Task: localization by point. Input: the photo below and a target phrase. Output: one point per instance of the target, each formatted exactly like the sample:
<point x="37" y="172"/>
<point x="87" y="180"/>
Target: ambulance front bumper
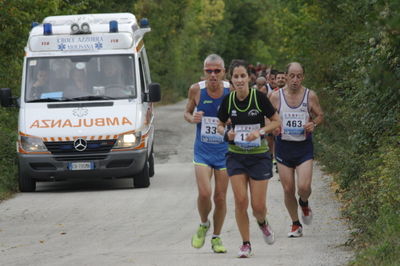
<point x="116" y="164"/>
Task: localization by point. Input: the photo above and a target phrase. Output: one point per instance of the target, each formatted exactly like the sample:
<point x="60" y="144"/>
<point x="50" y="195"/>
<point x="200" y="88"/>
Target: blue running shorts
<point x="214" y="160"/>
<point x="293" y="153"/>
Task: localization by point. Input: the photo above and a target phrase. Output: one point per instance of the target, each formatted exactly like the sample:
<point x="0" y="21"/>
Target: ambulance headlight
<point x="85" y="28"/>
<point x="74" y="28"/>
<point x="32" y="144"/>
<point x="129" y="140"/>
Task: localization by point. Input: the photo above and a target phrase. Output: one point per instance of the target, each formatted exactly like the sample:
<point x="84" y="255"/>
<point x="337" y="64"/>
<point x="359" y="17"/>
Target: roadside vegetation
<point x="350" y="50"/>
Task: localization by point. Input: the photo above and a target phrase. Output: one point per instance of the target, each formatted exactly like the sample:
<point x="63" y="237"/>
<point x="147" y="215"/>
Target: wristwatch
<point x="262" y="132"/>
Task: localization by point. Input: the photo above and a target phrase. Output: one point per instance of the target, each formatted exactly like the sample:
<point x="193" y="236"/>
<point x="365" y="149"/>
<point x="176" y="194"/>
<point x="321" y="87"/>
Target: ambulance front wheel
<point x="142" y="179"/>
<point x="26" y="183"/>
<point x="151" y="163"/>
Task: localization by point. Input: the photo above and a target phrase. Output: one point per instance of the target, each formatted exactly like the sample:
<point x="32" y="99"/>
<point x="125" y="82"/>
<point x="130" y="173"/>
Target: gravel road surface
<point x="107" y="222"/>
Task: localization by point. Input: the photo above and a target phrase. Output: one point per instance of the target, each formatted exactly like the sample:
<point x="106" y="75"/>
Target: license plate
<point x="81" y="166"/>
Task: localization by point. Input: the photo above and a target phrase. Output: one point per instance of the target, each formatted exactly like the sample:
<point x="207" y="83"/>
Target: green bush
<point x="356" y="65"/>
<point x="8" y="166"/>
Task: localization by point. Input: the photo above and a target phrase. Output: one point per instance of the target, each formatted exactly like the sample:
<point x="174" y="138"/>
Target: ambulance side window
<point x="145" y="66"/>
<point x="143" y="82"/>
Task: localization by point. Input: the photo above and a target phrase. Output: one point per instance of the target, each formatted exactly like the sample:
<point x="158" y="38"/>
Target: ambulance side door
<point x="145" y="80"/>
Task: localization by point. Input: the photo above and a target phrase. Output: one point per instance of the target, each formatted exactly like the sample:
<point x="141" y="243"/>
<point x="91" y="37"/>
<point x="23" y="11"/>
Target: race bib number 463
<point x="209" y="132"/>
<point x="293" y="123"/>
<point x="241" y="133"/>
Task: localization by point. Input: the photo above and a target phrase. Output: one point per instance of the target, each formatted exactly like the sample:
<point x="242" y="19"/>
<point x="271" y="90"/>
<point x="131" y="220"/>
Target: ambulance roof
<point x="98" y="23"/>
<point x="104" y="33"/>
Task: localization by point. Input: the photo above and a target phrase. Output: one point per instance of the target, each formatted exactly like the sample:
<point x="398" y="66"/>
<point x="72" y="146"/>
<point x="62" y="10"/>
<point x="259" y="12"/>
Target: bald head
<point x="295" y="76"/>
<point x="296" y="66"/>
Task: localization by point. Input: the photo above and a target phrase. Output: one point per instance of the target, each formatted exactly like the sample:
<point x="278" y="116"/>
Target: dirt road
<point x="109" y="223"/>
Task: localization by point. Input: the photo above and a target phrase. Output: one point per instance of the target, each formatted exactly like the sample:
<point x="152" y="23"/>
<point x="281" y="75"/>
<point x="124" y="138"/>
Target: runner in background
<point x="261" y="83"/>
<point x="271" y="78"/>
<point x="280" y="79"/>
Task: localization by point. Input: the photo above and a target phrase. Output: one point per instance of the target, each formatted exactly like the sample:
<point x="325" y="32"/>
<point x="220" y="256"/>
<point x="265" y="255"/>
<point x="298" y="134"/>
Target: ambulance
<point x="86" y="103"/>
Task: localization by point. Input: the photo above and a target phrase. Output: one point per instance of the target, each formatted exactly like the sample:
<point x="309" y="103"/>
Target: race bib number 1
<point x="209" y="132"/>
<point x="241" y="133"/>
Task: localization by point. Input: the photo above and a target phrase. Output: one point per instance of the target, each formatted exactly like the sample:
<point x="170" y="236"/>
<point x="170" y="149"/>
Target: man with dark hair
<point x="280" y="79"/>
<point x="271" y="78"/>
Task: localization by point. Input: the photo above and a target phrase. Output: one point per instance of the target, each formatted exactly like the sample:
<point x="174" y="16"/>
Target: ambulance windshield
<point x="80" y="78"/>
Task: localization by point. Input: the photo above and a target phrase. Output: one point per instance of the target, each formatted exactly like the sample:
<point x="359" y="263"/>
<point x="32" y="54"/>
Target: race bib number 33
<point x="209" y="132"/>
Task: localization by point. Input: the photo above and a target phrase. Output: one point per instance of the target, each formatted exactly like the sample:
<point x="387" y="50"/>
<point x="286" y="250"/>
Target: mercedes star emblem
<point x="80" y="144"/>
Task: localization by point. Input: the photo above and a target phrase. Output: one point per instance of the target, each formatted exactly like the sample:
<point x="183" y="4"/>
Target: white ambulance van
<point x="85" y="109"/>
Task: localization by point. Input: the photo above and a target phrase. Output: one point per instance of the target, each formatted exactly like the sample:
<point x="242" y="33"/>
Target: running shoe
<point x="199" y="238"/>
<point x="245" y="251"/>
<point x="296" y="231"/>
<point x="217" y="246"/>
<point x="306" y="215"/>
<point x="275" y="164"/>
<point x="268" y="234"/>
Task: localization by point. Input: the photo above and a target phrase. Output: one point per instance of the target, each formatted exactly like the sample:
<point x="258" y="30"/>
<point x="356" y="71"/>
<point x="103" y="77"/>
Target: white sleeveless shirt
<point x="202" y="84"/>
<point x="294" y="118"/>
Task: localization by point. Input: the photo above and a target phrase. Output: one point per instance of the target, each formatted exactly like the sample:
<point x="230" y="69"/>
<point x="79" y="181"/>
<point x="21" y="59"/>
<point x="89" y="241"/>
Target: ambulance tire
<point x="151" y="163"/>
<point x="142" y="179"/>
<point x="26" y="183"/>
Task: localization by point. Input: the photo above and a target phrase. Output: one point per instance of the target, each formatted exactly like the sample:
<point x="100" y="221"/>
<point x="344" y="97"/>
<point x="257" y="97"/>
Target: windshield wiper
<point x="46" y="100"/>
<point x="90" y="97"/>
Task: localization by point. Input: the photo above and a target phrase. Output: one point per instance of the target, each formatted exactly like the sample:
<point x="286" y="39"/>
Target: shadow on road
<point x="78" y="185"/>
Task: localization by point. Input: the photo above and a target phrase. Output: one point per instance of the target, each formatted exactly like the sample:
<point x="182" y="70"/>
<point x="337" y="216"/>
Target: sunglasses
<point x="216" y="71"/>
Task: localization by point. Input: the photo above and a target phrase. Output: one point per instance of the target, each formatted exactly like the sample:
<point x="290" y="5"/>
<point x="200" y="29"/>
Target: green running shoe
<point x="199" y="238"/>
<point x="217" y="246"/>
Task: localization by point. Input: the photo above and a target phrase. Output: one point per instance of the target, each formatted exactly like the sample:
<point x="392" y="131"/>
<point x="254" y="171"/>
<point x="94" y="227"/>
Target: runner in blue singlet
<point x="210" y="148"/>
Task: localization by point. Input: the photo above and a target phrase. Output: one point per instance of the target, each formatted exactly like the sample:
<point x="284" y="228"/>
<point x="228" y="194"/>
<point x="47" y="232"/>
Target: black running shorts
<point x="257" y="166"/>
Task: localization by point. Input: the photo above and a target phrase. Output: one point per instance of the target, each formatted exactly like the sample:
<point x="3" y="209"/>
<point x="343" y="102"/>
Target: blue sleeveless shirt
<point x="208" y="141"/>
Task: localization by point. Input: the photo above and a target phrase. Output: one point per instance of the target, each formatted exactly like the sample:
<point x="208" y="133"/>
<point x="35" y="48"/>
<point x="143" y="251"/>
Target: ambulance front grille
<point x="80" y="158"/>
<point x="67" y="147"/>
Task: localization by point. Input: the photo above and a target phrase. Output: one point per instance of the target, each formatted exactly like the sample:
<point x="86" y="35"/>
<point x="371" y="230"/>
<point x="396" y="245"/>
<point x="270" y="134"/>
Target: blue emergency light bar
<point x="113" y="26"/>
<point x="34" y="24"/>
<point x="144" y="23"/>
<point x="47" y="29"/>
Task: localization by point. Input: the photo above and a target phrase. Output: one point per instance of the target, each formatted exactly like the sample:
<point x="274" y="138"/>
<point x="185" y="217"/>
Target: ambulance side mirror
<point x="154" y="94"/>
<point x="6" y="99"/>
